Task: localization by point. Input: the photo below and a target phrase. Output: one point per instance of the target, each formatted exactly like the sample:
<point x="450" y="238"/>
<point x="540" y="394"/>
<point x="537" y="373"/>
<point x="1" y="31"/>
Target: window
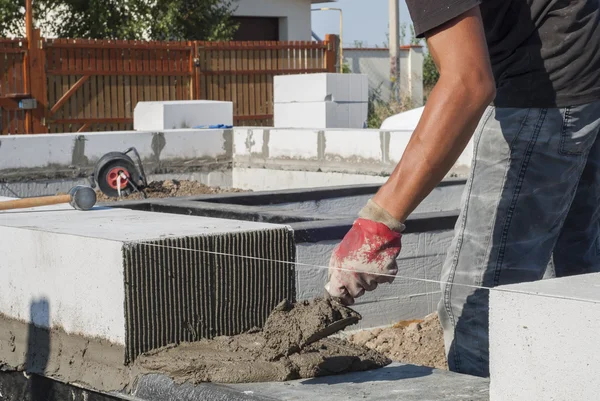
<point x="256" y="28"/>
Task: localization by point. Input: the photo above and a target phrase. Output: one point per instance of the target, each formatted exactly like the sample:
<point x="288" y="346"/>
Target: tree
<point x="123" y="19"/>
<point x="12" y="16"/>
<point x="192" y="20"/>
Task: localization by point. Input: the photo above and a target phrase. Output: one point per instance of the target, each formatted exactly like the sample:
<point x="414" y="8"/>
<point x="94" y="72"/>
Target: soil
<point x="417" y="342"/>
<point x="171" y="189"/>
<point x="281" y="351"/>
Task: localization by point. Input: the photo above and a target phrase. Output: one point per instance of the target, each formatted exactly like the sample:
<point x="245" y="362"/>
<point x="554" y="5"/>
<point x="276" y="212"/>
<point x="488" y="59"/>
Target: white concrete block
<point x="320" y="115"/>
<point x="247" y="141"/>
<point x="359" y="114"/>
<point x="422" y="257"/>
<point x="363" y="145"/>
<point x="294" y="144"/>
<point x="261" y="179"/>
<point x="74" y="260"/>
<point x="398" y="143"/>
<point x="321" y="87"/>
<point x="149" y="116"/>
<point x="544" y="341"/>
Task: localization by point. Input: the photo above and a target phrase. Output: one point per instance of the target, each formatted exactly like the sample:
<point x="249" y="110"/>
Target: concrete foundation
<point x="141" y="280"/>
<point x="544" y="342"/>
<point x="394" y="382"/>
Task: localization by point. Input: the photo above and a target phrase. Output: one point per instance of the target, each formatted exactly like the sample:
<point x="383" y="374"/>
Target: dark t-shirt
<point x="544" y="53"/>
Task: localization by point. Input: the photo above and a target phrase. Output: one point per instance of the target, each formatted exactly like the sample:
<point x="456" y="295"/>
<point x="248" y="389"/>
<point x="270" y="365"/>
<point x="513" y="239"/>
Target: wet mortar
<point x="281" y="351"/>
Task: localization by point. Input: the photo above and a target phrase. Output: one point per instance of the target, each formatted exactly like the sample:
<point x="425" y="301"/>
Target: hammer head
<point x="82" y="197"/>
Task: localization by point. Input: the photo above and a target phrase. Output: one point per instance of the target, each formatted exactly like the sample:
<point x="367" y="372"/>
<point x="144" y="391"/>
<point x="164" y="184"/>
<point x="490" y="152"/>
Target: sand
<point x="417" y="342"/>
<point x="280" y="352"/>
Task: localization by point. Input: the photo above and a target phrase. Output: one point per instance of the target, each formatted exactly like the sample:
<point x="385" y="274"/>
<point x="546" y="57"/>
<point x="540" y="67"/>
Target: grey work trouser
<point x="533" y="195"/>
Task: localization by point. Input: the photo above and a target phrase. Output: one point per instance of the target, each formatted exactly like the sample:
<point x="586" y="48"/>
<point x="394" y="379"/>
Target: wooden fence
<point x="93" y="85"/>
<point x="12" y="83"/>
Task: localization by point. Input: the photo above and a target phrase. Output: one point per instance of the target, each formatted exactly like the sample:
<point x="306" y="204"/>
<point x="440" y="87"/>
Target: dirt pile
<point x="171" y="189"/>
<point x="417" y="342"/>
<point x="277" y="353"/>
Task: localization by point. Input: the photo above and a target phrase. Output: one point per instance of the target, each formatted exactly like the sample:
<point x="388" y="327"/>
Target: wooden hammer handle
<point x="34" y="202"/>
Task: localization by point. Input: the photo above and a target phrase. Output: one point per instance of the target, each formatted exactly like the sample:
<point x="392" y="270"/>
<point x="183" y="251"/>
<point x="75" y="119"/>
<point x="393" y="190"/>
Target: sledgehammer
<point x="80" y="197"/>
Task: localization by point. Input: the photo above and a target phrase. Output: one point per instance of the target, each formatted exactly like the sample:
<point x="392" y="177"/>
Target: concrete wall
<point x="69" y="156"/>
<point x="277" y="158"/>
<point x="74" y="259"/>
<point x="422" y="257"/>
<point x="294" y="15"/>
<point x="263" y="158"/>
<point x="245" y="157"/>
<point x="376" y="64"/>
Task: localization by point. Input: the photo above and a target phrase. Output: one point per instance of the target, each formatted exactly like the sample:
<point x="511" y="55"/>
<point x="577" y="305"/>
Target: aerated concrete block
<point x="320" y="115"/>
<point x="544" y="340"/>
<point x="323" y="87"/>
<point x="142" y="280"/>
<point x="151" y="116"/>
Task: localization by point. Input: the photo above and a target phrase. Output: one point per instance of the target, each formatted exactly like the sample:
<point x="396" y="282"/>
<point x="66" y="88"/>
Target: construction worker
<point x="524" y="78"/>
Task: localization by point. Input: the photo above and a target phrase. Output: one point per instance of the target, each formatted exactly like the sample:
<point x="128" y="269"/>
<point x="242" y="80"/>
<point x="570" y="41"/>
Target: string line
<point x="424" y="280"/>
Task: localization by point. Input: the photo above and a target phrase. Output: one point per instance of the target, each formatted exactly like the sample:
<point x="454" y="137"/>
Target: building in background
<point x="375" y="62"/>
<point x="274" y="19"/>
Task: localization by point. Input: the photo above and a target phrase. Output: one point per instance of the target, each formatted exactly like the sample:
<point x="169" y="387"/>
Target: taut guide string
<point x="424" y="280"/>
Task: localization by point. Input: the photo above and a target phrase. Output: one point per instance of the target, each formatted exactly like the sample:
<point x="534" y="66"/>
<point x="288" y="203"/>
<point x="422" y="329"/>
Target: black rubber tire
<point x="102" y="177"/>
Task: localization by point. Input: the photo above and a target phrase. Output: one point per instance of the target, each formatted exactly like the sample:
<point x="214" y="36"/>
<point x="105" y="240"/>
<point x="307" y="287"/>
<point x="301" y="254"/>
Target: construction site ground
<point x="171" y="189"/>
<point x="417" y="342"/>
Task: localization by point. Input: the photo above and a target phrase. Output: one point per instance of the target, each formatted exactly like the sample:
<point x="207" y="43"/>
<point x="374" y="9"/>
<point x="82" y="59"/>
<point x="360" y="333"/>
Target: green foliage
<point x="430" y="72"/>
<point x="379" y="109"/>
<point x="402" y="33"/>
<point x="192" y="20"/>
<point x="346" y="68"/>
<point x="12" y="16"/>
<point x="413" y="37"/>
<point x="123" y="19"/>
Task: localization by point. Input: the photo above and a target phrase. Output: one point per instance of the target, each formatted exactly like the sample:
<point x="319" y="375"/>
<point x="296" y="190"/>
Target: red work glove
<point x="370" y="248"/>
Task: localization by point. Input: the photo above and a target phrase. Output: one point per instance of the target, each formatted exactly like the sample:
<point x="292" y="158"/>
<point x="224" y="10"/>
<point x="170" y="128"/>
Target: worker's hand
<point x="366" y="256"/>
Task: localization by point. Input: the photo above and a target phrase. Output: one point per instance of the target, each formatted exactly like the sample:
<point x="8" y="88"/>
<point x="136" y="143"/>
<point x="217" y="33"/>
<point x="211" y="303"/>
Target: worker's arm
<point x="465" y="88"/>
<point x="457" y="102"/>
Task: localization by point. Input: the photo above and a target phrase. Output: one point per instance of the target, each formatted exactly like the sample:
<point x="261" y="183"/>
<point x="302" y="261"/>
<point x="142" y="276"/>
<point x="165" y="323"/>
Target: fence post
<point x="331" y="54"/>
<point x="37" y="81"/>
<point x="193" y="69"/>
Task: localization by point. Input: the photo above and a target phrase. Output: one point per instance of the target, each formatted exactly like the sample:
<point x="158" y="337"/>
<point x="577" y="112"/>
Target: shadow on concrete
<point x="388" y="373"/>
<point x="38" y="350"/>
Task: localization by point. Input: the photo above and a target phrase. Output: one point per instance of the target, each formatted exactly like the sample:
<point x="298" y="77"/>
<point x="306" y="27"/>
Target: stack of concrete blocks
<point x="544" y="340"/>
<point x="321" y="101"/>
<point x="153" y="116"/>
